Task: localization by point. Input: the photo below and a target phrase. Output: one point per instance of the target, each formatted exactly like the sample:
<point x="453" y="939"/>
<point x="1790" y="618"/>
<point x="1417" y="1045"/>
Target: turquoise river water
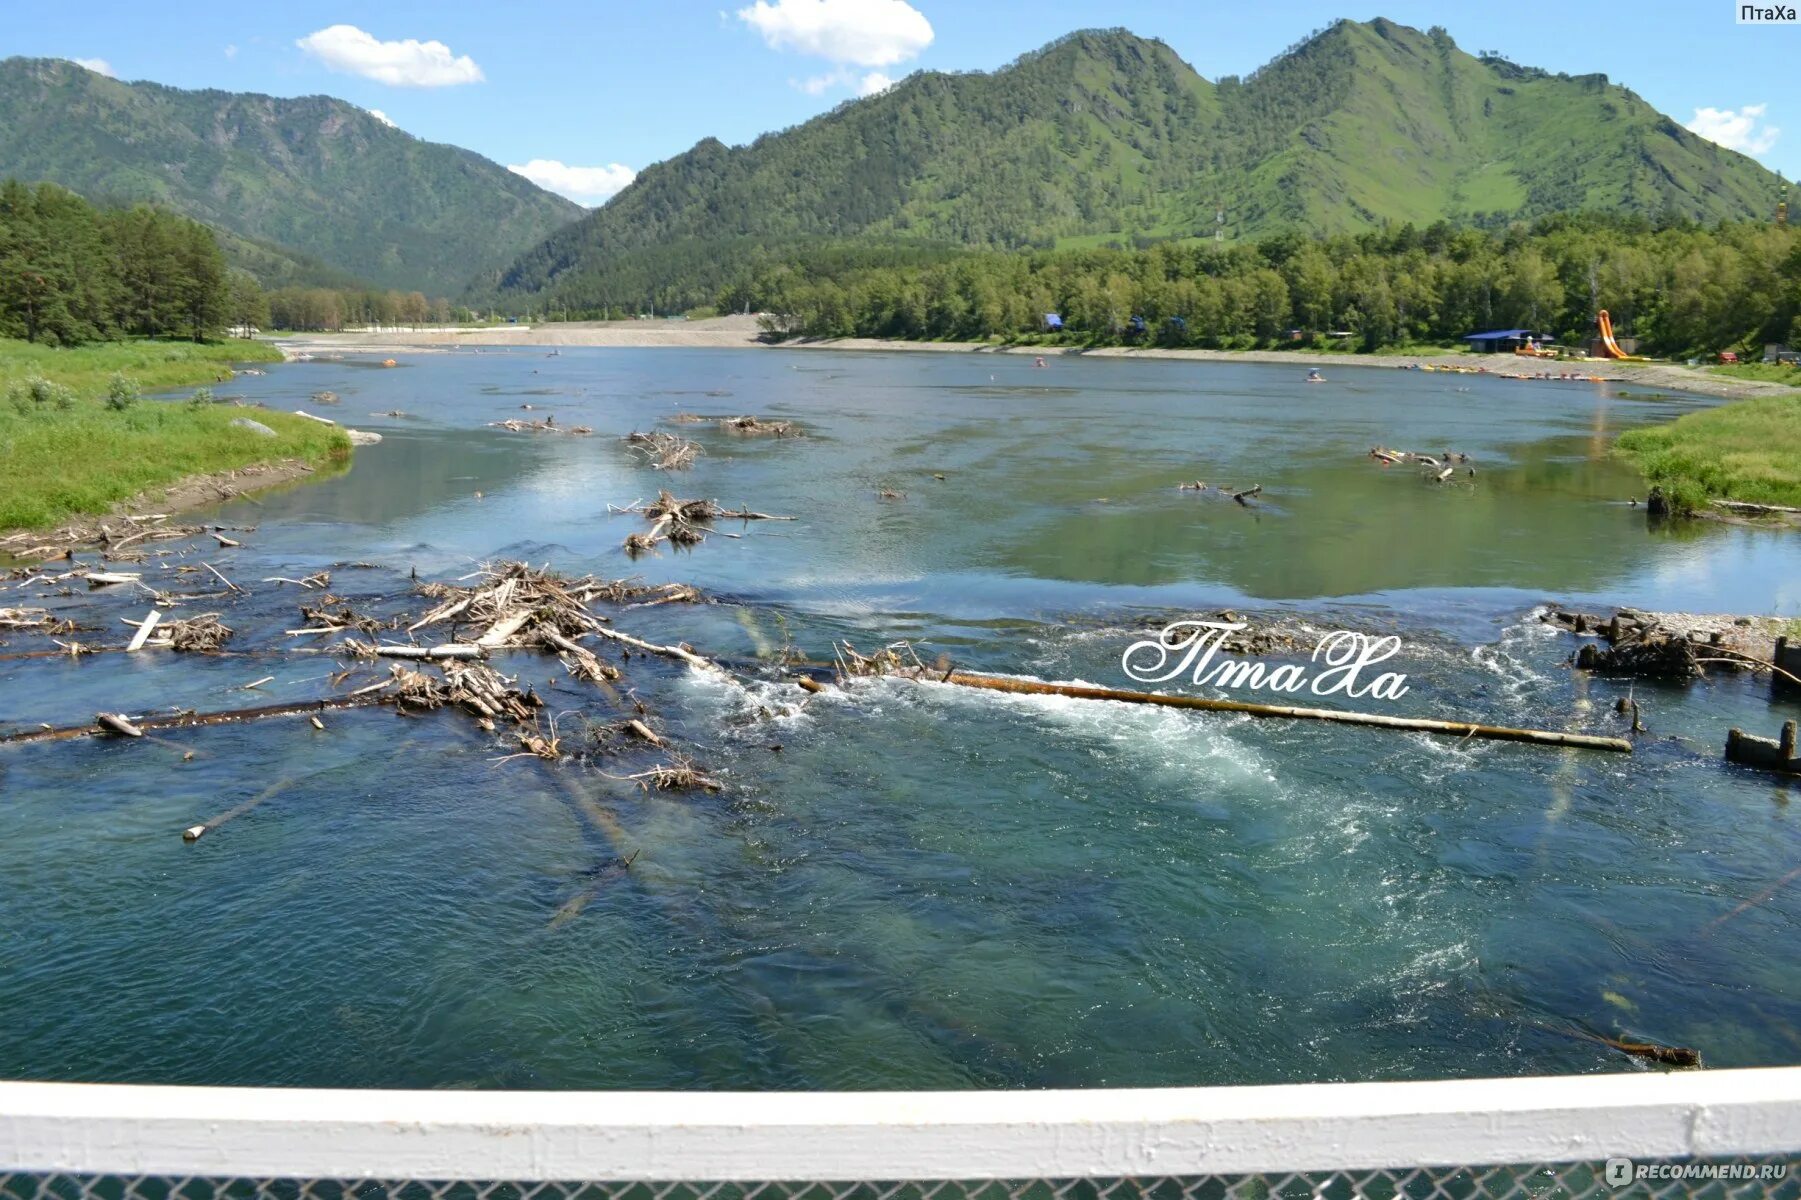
<point x="924" y="886"/>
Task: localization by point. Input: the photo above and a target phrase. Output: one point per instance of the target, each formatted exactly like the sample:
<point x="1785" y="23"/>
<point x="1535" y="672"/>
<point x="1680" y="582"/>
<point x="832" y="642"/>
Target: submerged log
<point x="1466" y="729"/>
<point x="1750" y="751"/>
<point x="186" y="720"/>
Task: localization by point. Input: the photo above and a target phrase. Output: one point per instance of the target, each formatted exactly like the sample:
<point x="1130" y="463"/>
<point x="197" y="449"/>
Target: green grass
<point x="58" y="463"/>
<point x="1768" y="372"/>
<point x="1748" y="450"/>
<point x="152" y="364"/>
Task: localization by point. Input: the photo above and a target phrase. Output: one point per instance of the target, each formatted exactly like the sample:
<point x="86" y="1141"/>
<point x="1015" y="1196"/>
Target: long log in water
<point x="185" y="720"/>
<point x="682" y="652"/>
<point x="1036" y="687"/>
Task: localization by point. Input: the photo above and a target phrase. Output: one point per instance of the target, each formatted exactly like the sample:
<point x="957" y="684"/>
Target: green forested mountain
<point x="1103" y="136"/>
<point x="305" y="186"/>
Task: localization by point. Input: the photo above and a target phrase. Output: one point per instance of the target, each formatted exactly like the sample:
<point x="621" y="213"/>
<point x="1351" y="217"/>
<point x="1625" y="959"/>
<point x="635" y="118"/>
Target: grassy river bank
<point x="1748" y="450"/>
<point x="75" y="439"/>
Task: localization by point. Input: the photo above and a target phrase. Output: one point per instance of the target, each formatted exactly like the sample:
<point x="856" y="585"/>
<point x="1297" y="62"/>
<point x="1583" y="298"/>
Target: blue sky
<point x="586" y="91"/>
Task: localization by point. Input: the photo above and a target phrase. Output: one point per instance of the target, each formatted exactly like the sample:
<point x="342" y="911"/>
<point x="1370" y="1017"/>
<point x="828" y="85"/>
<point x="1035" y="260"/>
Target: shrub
<point x="121" y="392"/>
<point x="202" y="398"/>
<point x="40" y="395"/>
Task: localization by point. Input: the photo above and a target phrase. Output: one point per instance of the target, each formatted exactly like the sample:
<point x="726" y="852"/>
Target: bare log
<point x="450" y="650"/>
<point x="506" y="627"/>
<point x="1036" y="687"/>
<point x="143" y="634"/>
<point x="1745" y="506"/>
<point x="682" y="652"/>
<point x="114" y="723"/>
<point x="186" y="720"/>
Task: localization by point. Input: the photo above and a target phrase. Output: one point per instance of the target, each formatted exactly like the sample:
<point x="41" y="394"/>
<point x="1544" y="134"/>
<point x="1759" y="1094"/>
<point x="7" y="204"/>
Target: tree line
<point x="319" y="309"/>
<point x="1679" y="287"/>
<point x="73" y="273"/>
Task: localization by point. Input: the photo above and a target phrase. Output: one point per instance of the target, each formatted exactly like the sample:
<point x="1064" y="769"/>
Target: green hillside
<point x="1104" y="136"/>
<point x="307" y="187"/>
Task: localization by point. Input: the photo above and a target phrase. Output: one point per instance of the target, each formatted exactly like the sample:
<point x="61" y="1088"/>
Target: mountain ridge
<point x="1103" y="135"/>
<point x="312" y="174"/>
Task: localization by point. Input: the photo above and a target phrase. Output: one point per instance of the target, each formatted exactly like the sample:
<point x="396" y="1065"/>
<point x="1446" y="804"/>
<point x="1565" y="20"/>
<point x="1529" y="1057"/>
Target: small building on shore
<point x="1504" y="341"/>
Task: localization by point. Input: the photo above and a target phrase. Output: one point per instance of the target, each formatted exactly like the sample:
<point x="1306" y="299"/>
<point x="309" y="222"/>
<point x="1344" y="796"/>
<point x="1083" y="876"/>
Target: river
<point x="909" y="885"/>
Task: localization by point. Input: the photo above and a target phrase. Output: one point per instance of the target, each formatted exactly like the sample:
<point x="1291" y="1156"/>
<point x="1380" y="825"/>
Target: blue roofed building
<point x="1504" y="341"/>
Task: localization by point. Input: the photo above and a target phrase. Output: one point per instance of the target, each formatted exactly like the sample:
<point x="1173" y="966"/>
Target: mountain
<point x="1105" y="136"/>
<point x="305" y="179"/>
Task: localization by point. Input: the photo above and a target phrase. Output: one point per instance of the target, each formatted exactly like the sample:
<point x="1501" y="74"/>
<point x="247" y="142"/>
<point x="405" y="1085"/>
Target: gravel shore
<point x="741" y="331"/>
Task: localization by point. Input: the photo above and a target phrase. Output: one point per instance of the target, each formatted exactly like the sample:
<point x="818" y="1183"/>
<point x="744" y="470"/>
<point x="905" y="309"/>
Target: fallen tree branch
<point x="682" y="652"/>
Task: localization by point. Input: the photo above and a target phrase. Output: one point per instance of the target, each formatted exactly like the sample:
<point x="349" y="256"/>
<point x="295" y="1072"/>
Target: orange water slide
<point x="1610" y="347"/>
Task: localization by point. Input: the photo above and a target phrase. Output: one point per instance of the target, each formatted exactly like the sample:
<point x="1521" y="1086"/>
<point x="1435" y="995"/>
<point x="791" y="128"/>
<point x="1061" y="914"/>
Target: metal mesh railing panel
<point x="1739" y="1179"/>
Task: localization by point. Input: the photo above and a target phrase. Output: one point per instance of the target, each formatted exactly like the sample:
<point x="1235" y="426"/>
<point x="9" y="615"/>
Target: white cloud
<point x="864" y="33"/>
<point x="584" y="185"/>
<point x="844" y="77"/>
<point x="383" y="117"/>
<point x="409" y="63"/>
<point x="1745" y="130"/>
<point x="231" y="51"/>
<point x="97" y="65"/>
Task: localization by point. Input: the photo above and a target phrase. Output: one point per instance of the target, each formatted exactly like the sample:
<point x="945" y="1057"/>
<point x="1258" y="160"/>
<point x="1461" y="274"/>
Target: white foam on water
<point x="735" y="703"/>
<point x="1165" y="741"/>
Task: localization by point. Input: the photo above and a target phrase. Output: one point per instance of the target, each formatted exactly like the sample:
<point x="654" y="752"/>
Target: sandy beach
<point x="741" y="330"/>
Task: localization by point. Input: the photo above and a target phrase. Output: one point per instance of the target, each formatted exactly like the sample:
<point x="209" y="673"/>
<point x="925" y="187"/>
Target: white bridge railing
<point x="1499" y="1137"/>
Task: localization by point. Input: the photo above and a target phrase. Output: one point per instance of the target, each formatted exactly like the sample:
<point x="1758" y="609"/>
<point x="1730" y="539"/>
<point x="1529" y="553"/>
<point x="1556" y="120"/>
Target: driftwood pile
<point x="1242" y="495"/>
<point x="1276" y="634"/>
<point x="508" y="606"/>
<point x="118" y="536"/>
<point x="547" y="425"/>
<point x="201" y="634"/>
<point x="1652" y="647"/>
<point x="338" y="617"/>
<point x="664" y="451"/>
<point x="681" y="522"/>
<point x="756" y="427"/>
<point x="33" y="620"/>
<point x="742" y="426"/>
<point x="1439" y="468"/>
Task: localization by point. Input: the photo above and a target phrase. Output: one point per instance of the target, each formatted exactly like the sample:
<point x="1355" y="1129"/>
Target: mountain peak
<point x="315" y="174"/>
<point x="1103" y="135"/>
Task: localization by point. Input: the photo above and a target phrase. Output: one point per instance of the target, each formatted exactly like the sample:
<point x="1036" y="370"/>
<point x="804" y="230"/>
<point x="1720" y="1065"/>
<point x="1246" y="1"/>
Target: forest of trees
<point x="1680" y="287"/>
<point x="319" y="309"/>
<point x="73" y="273"/>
